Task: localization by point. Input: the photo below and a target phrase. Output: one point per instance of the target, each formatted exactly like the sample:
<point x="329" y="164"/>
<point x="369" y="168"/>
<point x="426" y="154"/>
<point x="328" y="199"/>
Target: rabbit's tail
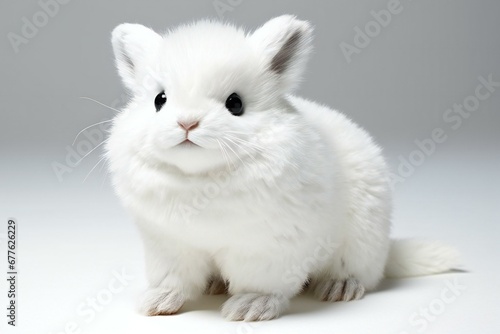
<point x="413" y="257"/>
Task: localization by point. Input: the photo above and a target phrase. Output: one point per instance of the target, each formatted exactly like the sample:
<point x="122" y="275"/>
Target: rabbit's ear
<point x="133" y="46"/>
<point x="285" y="43"/>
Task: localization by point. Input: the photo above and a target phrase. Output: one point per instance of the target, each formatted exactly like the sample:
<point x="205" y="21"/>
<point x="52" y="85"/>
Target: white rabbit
<point x="238" y="186"/>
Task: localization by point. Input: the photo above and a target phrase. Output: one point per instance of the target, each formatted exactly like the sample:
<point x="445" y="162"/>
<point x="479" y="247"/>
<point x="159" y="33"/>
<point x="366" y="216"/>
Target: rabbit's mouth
<point x="187" y="143"/>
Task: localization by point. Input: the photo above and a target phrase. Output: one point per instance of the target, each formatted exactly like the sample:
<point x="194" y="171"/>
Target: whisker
<point x="221" y="151"/>
<point x="258" y="148"/>
<point x="242" y="148"/>
<point x="102" y="104"/>
<point x="105" y="177"/>
<point x="85" y="179"/>
<point x="253" y="145"/>
<point x="239" y="132"/>
<point x="224" y="144"/>
<point x="92" y="150"/>
<point x="236" y="154"/>
<point x="79" y="133"/>
<point x="224" y="154"/>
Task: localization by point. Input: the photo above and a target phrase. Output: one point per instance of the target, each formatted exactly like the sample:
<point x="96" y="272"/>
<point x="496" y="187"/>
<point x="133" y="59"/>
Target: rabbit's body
<point x="295" y="193"/>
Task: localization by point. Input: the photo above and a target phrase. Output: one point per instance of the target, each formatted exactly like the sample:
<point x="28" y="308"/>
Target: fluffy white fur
<point x="289" y="193"/>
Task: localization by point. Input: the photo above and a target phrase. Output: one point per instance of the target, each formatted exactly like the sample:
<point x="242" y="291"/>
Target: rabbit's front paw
<point x="254" y="307"/>
<point x="160" y="301"/>
<point x="336" y="290"/>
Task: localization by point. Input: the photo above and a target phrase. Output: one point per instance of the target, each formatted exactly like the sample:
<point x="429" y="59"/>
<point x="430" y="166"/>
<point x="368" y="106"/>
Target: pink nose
<point x="188" y="125"/>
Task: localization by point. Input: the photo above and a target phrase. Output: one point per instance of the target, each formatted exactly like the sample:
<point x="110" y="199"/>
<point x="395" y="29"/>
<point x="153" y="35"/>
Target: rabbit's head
<point x="207" y="94"/>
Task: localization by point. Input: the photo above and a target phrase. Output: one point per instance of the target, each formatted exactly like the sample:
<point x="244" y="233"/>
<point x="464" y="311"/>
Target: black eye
<point x="234" y="105"/>
<point x="160" y="100"/>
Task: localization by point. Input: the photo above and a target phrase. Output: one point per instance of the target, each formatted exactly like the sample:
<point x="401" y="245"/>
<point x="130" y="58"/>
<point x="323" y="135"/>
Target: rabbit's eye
<point x="234" y="105"/>
<point x="160" y="100"/>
